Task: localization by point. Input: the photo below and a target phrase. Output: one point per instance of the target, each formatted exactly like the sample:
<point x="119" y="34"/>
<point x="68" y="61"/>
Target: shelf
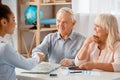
<point x="41" y="30"/>
<point x="56" y="3"/>
<point x="34" y="3"/>
<point x="48" y="29"/>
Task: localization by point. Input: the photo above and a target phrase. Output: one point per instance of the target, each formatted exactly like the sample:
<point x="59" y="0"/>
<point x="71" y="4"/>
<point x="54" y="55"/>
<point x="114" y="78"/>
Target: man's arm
<point x="43" y="47"/>
<point x="66" y="62"/>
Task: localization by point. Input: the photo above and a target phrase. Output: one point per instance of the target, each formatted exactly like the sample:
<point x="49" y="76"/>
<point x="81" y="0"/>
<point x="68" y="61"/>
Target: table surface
<point x="64" y="74"/>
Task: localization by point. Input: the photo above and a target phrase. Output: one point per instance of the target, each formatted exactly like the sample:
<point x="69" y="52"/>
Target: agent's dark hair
<point x="5" y="11"/>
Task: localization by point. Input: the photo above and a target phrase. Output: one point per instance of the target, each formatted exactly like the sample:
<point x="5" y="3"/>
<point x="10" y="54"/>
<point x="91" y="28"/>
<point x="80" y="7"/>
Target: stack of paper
<point x="44" y="68"/>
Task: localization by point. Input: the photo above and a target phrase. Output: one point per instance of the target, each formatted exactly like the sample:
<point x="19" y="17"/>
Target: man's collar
<point x="58" y="36"/>
<point x="71" y="36"/>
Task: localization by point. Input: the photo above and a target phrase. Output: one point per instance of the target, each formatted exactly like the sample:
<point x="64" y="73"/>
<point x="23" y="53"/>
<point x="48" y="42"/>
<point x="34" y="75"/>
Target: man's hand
<point x="66" y="62"/>
<point x="40" y="55"/>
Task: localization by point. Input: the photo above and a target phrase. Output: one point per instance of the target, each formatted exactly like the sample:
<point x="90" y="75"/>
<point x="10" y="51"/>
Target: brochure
<point x="43" y="68"/>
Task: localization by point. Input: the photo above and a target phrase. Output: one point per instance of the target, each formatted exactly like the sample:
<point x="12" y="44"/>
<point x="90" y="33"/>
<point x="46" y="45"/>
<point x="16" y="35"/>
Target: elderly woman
<point x="101" y="50"/>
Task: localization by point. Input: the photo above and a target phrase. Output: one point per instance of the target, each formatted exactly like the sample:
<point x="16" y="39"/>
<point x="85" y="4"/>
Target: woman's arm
<point x="13" y="58"/>
<point x="116" y="57"/>
<point x="84" y="50"/>
<point x="83" y="54"/>
<point x="100" y="66"/>
<point x="113" y="66"/>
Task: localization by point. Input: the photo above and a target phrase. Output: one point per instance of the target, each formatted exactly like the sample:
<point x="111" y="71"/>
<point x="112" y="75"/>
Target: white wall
<point x="85" y="23"/>
<point x="82" y="24"/>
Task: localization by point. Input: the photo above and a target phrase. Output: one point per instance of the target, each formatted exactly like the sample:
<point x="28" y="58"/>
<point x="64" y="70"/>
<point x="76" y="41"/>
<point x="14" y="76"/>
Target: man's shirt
<point x="58" y="49"/>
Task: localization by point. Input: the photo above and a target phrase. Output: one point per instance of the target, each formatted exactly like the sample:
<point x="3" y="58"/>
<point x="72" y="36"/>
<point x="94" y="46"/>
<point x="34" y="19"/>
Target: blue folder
<point x="48" y="21"/>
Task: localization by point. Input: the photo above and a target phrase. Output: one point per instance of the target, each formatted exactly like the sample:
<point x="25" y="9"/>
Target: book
<point x="43" y="68"/>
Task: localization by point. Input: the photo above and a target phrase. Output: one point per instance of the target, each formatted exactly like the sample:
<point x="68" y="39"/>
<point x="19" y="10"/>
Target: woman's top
<point x="95" y="55"/>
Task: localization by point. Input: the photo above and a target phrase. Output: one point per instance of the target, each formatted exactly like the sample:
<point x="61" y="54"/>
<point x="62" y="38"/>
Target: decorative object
<point x="31" y="14"/>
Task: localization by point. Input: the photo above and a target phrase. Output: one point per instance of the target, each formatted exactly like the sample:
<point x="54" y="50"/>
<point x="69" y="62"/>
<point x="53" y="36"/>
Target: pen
<point x="76" y="72"/>
<point x="53" y="74"/>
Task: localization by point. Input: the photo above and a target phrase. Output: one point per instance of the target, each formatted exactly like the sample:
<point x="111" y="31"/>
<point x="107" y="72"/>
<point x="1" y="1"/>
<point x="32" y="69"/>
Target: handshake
<point x="40" y="56"/>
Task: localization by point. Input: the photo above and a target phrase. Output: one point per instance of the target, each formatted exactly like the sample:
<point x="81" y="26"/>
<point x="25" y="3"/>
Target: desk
<point x="63" y="74"/>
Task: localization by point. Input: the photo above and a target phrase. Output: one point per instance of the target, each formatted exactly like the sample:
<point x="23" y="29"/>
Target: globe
<point x="30" y="14"/>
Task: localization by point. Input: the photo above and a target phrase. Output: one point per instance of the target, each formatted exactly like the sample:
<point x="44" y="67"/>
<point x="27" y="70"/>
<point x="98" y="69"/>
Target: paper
<point x="43" y="68"/>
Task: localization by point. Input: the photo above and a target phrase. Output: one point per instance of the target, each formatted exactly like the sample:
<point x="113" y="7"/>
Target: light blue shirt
<point x="57" y="48"/>
<point x="10" y="58"/>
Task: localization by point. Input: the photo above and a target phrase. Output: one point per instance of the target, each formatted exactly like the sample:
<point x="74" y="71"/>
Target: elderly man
<point x="62" y="45"/>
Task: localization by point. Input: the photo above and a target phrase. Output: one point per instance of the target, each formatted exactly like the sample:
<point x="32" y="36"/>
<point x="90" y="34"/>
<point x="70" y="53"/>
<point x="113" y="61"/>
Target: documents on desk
<point x="43" y="68"/>
<point x="58" y="72"/>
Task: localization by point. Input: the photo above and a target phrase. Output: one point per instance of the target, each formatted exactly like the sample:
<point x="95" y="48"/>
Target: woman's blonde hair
<point x="110" y="24"/>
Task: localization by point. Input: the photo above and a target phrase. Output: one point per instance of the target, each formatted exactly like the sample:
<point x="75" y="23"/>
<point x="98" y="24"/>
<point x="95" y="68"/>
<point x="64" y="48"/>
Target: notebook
<point x="43" y="68"/>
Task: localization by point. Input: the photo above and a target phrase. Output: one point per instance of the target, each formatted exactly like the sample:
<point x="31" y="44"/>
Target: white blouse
<point x="104" y="57"/>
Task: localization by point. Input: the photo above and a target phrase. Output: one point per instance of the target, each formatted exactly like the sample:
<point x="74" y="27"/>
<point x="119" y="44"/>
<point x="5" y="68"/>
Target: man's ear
<point x="74" y="22"/>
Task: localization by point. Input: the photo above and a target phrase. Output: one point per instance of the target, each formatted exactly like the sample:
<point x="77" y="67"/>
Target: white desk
<point x="63" y="74"/>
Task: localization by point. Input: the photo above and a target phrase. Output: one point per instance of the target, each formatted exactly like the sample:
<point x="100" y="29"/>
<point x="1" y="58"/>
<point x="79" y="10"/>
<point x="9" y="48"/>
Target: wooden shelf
<point x="41" y="29"/>
<point x="34" y="3"/>
<point x="48" y="29"/>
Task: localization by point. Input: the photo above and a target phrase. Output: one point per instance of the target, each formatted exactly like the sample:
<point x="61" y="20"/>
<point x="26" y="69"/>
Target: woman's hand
<point x="87" y="66"/>
<point x="90" y="39"/>
<point x="83" y="53"/>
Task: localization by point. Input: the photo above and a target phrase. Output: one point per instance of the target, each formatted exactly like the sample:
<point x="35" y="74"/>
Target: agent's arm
<point x="13" y="58"/>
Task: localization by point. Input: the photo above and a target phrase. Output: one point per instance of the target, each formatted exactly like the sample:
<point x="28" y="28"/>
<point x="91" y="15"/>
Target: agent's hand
<point x="40" y="55"/>
<point x="66" y="62"/>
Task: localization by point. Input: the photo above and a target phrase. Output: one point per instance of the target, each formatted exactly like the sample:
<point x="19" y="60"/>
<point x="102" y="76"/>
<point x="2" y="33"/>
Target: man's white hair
<point x="66" y="10"/>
